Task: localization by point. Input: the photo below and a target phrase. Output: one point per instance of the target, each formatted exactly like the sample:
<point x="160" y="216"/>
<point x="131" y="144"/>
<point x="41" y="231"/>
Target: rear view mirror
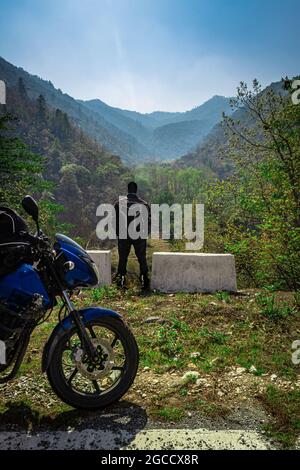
<point x="31" y="207"/>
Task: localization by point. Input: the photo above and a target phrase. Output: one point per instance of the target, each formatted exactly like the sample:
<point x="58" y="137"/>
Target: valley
<point x="136" y="138"/>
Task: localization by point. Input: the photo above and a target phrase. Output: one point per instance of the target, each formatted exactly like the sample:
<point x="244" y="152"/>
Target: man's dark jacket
<point x="126" y="202"/>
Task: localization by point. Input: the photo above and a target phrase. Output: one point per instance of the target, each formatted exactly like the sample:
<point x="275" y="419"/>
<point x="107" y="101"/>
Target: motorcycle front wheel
<point x="89" y="385"/>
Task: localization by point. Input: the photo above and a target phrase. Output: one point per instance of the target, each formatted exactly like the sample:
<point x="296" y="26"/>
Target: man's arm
<point x="149" y="218"/>
<point x="116" y="207"/>
<point x="145" y="203"/>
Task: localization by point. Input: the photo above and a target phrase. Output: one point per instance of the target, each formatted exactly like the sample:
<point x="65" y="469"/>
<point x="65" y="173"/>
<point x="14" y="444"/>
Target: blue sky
<point x="146" y="55"/>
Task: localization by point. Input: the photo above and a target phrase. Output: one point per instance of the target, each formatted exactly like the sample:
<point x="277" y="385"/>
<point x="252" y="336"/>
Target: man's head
<point x="132" y="187"/>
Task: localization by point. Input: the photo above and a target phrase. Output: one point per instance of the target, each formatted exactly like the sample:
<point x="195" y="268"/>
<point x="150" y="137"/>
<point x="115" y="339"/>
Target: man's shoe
<point x="145" y="281"/>
<point x="120" y="280"/>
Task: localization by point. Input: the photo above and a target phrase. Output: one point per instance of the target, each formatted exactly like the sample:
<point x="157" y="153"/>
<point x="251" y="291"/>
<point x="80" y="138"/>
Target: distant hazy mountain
<point x="210" y="151"/>
<point x="173" y="138"/>
<point x="166" y="135"/>
<point x="120" y="120"/>
<point x="210" y="111"/>
<point x="133" y="136"/>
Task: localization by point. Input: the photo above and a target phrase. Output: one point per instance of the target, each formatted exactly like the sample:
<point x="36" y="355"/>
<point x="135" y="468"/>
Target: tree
<point x="41" y="108"/>
<point x="21" y="89"/>
<point x="258" y="207"/>
<point x="19" y="168"/>
<point x="61" y="124"/>
<point x="20" y="174"/>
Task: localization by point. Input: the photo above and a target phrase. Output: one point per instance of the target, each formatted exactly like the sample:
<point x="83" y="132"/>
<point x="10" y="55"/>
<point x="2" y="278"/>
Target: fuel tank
<point x="18" y="288"/>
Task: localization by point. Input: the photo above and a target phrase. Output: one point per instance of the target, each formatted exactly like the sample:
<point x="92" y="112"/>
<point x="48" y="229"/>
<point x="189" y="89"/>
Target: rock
<point x="190" y="374"/>
<point x="177" y="383"/>
<point x="195" y="354"/>
<point x="146" y="368"/>
<point x="220" y="394"/>
<point x="200" y="382"/>
<point x="252" y="369"/>
<point x="102" y="259"/>
<point x="240" y="370"/>
<point x="191" y="366"/>
<point x="152" y="320"/>
<point x="199" y="272"/>
<point x="273" y="377"/>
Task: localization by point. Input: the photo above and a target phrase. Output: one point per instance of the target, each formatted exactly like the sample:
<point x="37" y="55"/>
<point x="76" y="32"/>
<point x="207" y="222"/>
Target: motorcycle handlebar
<point x="37" y="241"/>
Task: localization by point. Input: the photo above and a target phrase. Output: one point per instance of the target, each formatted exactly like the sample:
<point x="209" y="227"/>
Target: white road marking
<point x="154" y="439"/>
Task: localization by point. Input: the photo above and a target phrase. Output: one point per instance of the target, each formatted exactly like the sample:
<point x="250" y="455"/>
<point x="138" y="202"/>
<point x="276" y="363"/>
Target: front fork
<point x="86" y="342"/>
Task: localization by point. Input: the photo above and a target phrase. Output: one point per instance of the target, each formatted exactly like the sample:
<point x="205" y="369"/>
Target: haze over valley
<point x="135" y="137"/>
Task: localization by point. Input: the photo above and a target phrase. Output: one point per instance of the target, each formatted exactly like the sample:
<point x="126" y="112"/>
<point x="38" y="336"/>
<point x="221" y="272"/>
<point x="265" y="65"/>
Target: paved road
<point x="127" y="426"/>
<point x="179" y="439"/>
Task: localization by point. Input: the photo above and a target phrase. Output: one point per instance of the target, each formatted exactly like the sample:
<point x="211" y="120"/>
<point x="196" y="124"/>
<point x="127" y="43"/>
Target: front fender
<point x="87" y="314"/>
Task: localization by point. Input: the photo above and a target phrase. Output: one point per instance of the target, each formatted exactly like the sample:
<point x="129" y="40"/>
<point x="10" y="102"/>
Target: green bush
<point x="272" y="308"/>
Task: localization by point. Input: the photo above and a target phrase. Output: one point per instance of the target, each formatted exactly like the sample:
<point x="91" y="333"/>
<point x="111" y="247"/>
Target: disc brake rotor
<point x="94" y="369"/>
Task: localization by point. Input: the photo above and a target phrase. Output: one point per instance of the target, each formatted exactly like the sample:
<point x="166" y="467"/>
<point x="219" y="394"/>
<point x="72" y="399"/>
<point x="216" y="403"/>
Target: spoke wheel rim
<point x="102" y="383"/>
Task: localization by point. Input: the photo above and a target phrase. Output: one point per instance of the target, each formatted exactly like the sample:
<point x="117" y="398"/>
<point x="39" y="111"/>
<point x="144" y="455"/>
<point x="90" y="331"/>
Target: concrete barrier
<point x="102" y="259"/>
<point x="193" y="272"/>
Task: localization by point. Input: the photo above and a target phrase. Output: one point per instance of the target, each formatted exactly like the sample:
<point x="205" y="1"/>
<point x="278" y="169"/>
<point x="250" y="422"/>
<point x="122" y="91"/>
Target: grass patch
<point x="214" y="337"/>
<point x="285" y="408"/>
<point x="103" y="292"/>
<point x="272" y="308"/>
<point x="169" y="413"/>
<point x="190" y="378"/>
<point x="210" y="408"/>
<point x="169" y="338"/>
<point x="223" y="296"/>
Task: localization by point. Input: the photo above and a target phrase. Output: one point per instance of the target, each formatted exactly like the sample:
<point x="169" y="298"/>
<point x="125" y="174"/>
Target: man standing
<point x="125" y="239"/>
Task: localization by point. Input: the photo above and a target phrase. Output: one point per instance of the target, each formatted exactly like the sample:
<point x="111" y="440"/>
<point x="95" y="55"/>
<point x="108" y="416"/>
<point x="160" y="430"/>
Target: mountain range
<point x="90" y="147"/>
<point x="135" y="137"/>
<point x="193" y="138"/>
<point x="210" y="151"/>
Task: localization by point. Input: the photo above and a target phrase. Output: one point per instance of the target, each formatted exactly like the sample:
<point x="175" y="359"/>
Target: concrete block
<point x="102" y="259"/>
<point x="193" y="272"/>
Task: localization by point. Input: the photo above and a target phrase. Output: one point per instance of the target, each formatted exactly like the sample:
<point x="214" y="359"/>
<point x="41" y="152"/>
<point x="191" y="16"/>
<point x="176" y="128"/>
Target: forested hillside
<point x="167" y="135"/>
<point x="137" y="138"/>
<point x="108" y="135"/>
<point x="248" y="177"/>
<point x="210" y="152"/>
<point x="252" y="206"/>
<point x="83" y="173"/>
<point x="245" y="171"/>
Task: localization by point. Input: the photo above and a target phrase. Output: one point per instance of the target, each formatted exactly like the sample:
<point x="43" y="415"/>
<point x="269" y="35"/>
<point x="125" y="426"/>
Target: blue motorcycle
<point x="91" y="357"/>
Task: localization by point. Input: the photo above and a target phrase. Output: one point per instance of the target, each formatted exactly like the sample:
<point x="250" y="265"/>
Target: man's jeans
<point x="140" y="246"/>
